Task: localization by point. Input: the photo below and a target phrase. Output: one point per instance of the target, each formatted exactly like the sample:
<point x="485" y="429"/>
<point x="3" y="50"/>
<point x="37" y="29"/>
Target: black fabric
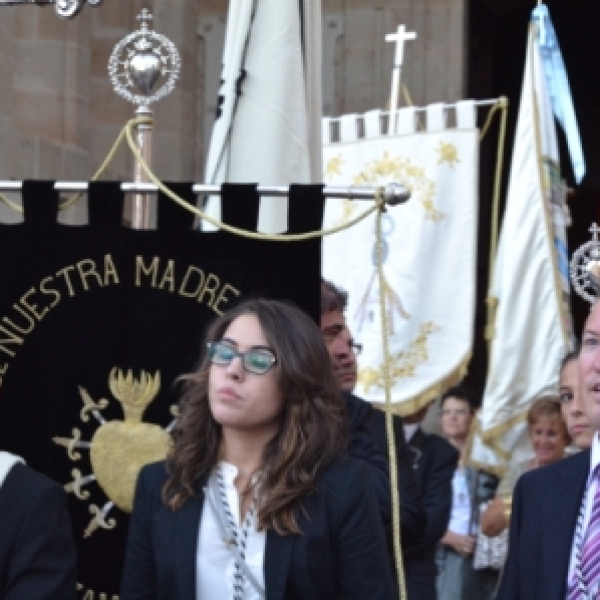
<point x="172" y="215"/>
<point x="239" y="204"/>
<point x="40" y="202"/>
<point x="105" y="203"/>
<point x="79" y="302"/>
<point x="435" y="461"/>
<point x="306" y="206"/>
<point x="413" y="518"/>
<point x="545" y="507"/>
<point x="37" y="550"/>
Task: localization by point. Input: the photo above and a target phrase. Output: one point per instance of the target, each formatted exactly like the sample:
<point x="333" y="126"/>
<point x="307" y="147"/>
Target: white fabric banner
<point x="261" y="135"/>
<point x="429" y="263"/>
<point x="532" y="320"/>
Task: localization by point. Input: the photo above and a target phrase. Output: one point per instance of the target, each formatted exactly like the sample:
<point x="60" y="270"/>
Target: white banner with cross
<point x="430" y="247"/>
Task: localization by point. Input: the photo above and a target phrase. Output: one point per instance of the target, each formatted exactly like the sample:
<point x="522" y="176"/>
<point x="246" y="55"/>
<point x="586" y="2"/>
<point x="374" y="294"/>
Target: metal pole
<point x="143" y="206"/>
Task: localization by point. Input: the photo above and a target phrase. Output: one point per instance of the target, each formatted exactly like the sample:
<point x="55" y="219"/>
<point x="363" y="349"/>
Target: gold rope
<point x="389" y="425"/>
<point x="127" y="132"/>
<point x="111" y="154"/>
<point x="491" y="301"/>
<point x="297" y="237"/>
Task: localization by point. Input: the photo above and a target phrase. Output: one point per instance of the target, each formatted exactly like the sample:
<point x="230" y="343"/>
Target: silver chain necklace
<point x="237" y="537"/>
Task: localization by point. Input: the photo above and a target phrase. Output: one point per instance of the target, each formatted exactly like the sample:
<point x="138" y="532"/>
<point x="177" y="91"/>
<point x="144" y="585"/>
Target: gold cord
<point x="491" y="301"/>
<point x="389" y="424"/>
<point x="127" y="132"/>
<point x="378" y="205"/>
<point x="76" y="197"/>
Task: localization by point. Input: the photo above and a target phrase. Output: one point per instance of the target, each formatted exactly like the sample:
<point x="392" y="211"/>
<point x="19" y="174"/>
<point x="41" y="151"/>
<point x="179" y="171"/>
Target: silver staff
<point x="137" y="64"/>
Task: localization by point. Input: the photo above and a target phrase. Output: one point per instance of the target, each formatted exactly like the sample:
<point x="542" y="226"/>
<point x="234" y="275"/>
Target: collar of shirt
<point x="595" y="457"/>
<point x="410" y="430"/>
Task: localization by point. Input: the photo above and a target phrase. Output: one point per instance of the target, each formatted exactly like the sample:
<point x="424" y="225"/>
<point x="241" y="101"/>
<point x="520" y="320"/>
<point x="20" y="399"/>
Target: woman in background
<point x="457" y="578"/>
<point x="549" y="438"/>
<point x="256" y="498"/>
<point x="578" y="425"/>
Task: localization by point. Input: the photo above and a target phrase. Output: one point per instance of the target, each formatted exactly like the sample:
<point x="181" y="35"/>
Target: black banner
<point x="96" y="323"/>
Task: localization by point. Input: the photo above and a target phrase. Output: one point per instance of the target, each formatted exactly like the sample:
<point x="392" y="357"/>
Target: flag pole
<point x="313" y="20"/>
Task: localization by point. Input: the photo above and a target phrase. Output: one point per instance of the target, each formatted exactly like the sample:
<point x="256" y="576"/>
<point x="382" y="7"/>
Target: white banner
<point x="430" y="247"/>
<point x="532" y="321"/>
<point x="261" y="135"/>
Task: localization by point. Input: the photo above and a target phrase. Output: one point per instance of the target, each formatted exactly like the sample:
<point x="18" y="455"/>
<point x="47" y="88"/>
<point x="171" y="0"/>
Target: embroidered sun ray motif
<point x="334" y="165"/>
<point x="448" y="154"/>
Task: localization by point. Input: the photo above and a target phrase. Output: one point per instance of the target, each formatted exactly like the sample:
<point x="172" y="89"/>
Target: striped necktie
<point x="589" y="556"/>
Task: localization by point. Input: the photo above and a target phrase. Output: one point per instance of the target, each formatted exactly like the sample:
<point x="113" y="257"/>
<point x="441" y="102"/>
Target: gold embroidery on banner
<point x="401" y="170"/>
<point x="404" y="363"/>
<point x="89" y="594"/>
<point x="334" y="165"/>
<point x="118" y="449"/>
<point x="448" y="154"/>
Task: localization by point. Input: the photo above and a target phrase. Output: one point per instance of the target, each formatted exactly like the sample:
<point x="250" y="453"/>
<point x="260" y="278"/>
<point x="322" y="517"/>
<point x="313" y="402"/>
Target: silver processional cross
<point x="399" y="37"/>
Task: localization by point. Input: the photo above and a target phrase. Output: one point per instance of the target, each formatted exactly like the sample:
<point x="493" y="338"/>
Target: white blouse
<point x="215" y="563"/>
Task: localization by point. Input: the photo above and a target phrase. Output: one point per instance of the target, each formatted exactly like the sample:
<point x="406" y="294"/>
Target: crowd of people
<point x="277" y="485"/>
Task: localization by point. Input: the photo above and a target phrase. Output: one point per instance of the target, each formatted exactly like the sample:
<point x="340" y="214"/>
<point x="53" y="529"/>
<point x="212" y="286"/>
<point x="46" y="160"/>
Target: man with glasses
<point x="367" y="426"/>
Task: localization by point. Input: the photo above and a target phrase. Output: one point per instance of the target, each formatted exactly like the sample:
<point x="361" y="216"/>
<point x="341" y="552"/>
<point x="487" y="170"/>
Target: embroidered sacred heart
<point x="119" y="449"/>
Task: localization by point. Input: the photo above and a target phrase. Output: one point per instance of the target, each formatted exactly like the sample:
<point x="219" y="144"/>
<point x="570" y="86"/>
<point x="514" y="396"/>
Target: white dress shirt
<point x="215" y="563"/>
<point x="590" y="486"/>
<point x="460" y="514"/>
<point x="410" y="430"/>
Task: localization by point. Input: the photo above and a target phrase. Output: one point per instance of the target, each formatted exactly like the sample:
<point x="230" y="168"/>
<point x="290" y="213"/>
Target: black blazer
<point x="546" y="503"/>
<point x="434" y="461"/>
<point x="341" y="553"/>
<point x="413" y="518"/>
<point x="37" y="550"/>
<point x="368" y="441"/>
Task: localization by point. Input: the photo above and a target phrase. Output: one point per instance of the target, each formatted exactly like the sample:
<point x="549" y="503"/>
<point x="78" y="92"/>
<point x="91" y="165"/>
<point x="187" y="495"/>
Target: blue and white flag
<point x="557" y="84"/>
<point x="532" y="329"/>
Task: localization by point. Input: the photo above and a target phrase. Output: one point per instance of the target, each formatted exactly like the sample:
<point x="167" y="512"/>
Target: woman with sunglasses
<point x="256" y="498"/>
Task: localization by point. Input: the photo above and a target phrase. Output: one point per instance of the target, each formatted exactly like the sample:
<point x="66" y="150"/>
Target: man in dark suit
<point x="435" y="461"/>
<point x="367" y="426"/>
<point x="37" y="551"/>
<point x="553" y="506"/>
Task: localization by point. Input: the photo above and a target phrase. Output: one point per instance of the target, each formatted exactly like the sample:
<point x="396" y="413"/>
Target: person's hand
<point x="463" y="544"/>
<point x="494" y="519"/>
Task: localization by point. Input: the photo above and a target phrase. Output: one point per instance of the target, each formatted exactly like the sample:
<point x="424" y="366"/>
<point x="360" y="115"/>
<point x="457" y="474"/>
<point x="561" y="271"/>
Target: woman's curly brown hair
<point x="312" y="428"/>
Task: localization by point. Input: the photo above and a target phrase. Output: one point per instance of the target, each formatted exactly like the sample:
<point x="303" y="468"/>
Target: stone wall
<point x="59" y="115"/>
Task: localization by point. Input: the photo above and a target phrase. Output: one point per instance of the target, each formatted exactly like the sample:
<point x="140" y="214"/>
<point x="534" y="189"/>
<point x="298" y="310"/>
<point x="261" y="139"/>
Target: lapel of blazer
<point x="187" y="526"/>
<point x="416" y="445"/>
<point x="278" y="554"/>
<point x="560" y="509"/>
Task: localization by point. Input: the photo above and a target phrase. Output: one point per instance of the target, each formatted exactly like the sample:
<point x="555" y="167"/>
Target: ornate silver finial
<point x="65" y="9"/>
<point x="585" y="267"/>
<point x="143" y="17"/>
<point x="142" y="58"/>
